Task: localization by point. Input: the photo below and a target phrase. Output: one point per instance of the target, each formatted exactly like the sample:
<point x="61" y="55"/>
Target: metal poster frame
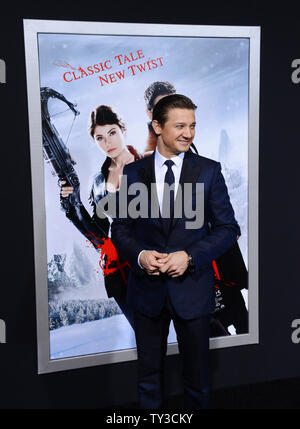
<point x="31" y="30"/>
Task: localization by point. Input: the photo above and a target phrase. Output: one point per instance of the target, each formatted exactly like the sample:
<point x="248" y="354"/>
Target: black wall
<point x="276" y="356"/>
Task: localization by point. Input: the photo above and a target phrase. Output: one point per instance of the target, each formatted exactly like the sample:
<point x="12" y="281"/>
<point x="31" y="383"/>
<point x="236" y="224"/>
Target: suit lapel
<point x="147" y="176"/>
<point x="189" y="173"/>
<point x="146" y="172"/>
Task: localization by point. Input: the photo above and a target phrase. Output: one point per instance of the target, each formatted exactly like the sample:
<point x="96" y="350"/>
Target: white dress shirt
<point x="160" y="170"/>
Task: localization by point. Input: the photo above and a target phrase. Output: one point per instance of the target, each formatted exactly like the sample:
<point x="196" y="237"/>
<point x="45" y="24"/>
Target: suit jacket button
<point x="166" y="248"/>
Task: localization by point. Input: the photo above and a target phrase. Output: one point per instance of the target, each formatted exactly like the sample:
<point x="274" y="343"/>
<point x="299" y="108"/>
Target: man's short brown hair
<point x="174" y="101"/>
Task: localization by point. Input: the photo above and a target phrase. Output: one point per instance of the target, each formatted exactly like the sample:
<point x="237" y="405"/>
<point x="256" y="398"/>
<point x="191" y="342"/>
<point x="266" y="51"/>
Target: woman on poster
<point x="108" y="131"/>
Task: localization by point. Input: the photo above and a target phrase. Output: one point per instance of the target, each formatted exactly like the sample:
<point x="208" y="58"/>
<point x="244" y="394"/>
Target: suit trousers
<point x="193" y="342"/>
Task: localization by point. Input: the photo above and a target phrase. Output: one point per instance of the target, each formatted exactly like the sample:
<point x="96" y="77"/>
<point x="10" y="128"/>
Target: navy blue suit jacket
<point x="191" y="294"/>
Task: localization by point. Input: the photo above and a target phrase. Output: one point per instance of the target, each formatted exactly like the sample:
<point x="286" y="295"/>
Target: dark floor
<point x="279" y="394"/>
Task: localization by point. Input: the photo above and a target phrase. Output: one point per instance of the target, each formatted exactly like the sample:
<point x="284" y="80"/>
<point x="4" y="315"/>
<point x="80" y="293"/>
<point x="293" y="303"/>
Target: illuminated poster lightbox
<point x="75" y="69"/>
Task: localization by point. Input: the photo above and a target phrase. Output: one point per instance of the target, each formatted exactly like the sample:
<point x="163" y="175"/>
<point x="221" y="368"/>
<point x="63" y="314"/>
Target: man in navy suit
<point x="171" y="274"/>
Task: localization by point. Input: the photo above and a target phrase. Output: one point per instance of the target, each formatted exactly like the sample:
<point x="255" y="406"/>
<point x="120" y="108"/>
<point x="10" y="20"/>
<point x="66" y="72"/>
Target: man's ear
<point x="157" y="127"/>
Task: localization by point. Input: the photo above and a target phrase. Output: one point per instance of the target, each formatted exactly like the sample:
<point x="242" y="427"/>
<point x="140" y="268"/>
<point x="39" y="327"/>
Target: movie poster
<point x="78" y="73"/>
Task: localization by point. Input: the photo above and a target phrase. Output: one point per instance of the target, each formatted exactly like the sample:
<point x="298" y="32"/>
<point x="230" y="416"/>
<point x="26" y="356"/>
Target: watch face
<point x="191" y="261"/>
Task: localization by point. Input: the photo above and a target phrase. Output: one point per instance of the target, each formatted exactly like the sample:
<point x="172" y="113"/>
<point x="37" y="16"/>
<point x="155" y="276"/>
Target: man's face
<point x="178" y="132"/>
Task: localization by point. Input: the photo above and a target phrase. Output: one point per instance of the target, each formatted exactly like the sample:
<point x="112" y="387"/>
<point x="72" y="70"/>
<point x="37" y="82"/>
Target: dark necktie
<point x="168" y="196"/>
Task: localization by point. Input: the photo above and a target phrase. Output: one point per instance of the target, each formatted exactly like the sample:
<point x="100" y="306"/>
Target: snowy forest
<point x="68" y="293"/>
<point x="80" y="311"/>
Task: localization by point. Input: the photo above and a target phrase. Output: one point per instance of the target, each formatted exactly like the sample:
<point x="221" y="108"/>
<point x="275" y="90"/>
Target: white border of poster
<point x="32" y="28"/>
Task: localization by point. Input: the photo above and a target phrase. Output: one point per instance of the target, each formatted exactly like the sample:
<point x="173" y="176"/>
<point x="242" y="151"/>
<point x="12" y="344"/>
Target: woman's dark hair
<point x="174" y="101"/>
<point x="104" y="115"/>
<point x="156" y="89"/>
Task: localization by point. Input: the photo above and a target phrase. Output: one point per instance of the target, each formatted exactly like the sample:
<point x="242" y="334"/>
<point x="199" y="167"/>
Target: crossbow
<point x="54" y="149"/>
